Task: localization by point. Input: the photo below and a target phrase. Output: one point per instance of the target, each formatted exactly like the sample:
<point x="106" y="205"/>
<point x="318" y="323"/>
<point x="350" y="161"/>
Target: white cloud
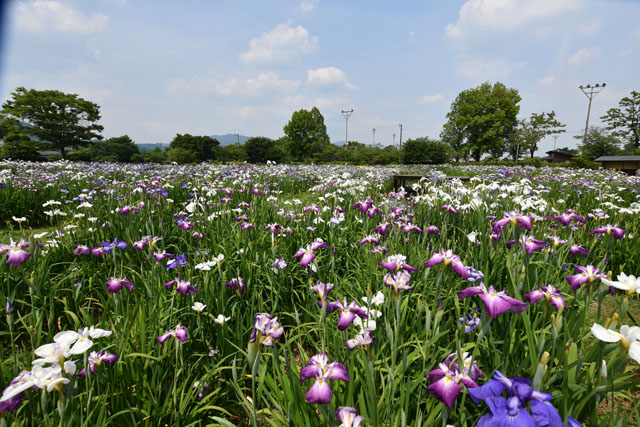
<point x="266" y="82"/>
<point x="585" y="54"/>
<point x="328" y="76"/>
<point x="328" y="103"/>
<point x="625" y="52"/>
<point x="591" y="27"/>
<point x="47" y="15"/>
<point x="487" y="69"/>
<point x="504" y="14"/>
<point x="546" y="81"/>
<point x="282" y="43"/>
<point x="308" y="5"/>
<point x="430" y="99"/>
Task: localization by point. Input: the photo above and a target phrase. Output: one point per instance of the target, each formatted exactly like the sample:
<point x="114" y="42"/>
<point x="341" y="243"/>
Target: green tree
<point x="18" y="146"/>
<point x="259" y="149"/>
<point x="425" y="151"/>
<point x="599" y="142"/>
<point x="189" y="148"/>
<point x="307" y="134"/>
<point x="485" y="115"/>
<point x="118" y="149"/>
<point x="62" y="120"/>
<point x="455" y="137"/>
<point x="625" y="120"/>
<point x="154" y="156"/>
<point x="537" y="127"/>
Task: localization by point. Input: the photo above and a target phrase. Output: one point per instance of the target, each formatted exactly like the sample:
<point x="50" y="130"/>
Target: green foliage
<point x="484" y="116"/>
<point x="535" y="128"/>
<point x="150" y="156"/>
<point x="624" y="122"/>
<point x="259" y="149"/>
<point x="425" y="151"/>
<point x="582" y="162"/>
<point x="190" y="149"/>
<point x="18" y="146"/>
<point x="307" y="134"/>
<point x="232" y="153"/>
<point x="62" y="120"/>
<point x="120" y="149"/>
<point x="599" y="142"/>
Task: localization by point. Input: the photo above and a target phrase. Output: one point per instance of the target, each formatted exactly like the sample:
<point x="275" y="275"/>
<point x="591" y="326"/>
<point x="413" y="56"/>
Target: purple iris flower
<point x="82" y="249"/>
<point x="449" y="208"/>
<point x="432" y="229"/>
<point x="382" y="228"/>
<point x="371" y="238"/>
<point x="322" y="291"/>
<point x="236" y="283"/>
<point x="397" y="262"/>
<point x="348" y="312"/>
<point x="182" y="286"/>
<point x="570" y="215"/>
<point x="511" y="410"/>
<point x="348" y="417"/>
<point x="99" y="251"/>
<point x="179" y="261"/>
<point x="494" y="302"/>
<point x="398" y="281"/>
<point x="273" y="228"/>
<point x="96" y="358"/>
<point x="448" y="257"/>
<point x="308" y="254"/>
<point x="550" y="293"/>
<point x="407" y="228"/>
<point x="322" y="371"/>
<point x="447" y="378"/>
<point x="16" y="255"/>
<point x="363" y="205"/>
<point x="514" y="218"/>
<point x="474" y="275"/>
<point x="556" y="241"/>
<point x="13" y="403"/>
<point x="180" y="332"/>
<point x="609" y="230"/>
<point x="162" y="255"/>
<point x="265" y="329"/>
<point x="364" y="339"/>
<point x="114" y="285"/>
<point x="585" y="274"/>
<point x="530" y="244"/>
<point x="578" y="250"/>
<point x="470" y="322"/>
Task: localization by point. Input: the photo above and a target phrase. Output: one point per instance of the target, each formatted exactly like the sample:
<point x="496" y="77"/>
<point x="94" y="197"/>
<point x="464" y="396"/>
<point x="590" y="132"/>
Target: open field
<point x="252" y="295"/>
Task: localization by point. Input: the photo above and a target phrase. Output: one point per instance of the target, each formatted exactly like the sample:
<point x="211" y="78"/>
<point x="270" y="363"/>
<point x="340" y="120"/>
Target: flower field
<point x="317" y="296"/>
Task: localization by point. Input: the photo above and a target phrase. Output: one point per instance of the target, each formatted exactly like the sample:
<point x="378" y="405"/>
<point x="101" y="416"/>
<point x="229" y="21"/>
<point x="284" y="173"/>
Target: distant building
<point x="558" y="157"/>
<point x="626" y="164"/>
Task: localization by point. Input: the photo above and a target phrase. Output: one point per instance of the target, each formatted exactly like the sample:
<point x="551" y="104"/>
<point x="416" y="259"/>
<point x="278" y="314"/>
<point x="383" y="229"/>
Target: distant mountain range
<point x="227" y="139"/>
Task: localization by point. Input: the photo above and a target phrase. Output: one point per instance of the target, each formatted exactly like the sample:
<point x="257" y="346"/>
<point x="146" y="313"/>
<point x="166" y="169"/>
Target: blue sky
<point x="161" y="67"/>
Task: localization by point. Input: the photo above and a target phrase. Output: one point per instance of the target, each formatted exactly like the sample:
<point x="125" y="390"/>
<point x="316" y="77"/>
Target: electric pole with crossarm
<point x="590" y="92"/>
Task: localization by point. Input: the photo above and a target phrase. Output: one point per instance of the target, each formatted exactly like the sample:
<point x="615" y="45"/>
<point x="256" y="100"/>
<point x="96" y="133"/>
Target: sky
<point x="161" y="67"/>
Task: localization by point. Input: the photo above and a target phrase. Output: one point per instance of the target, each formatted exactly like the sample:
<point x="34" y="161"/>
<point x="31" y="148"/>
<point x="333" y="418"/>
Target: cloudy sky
<point x="161" y="67"/>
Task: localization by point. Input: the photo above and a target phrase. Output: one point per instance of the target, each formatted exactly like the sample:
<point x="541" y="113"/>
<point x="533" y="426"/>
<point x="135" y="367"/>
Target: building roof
<point x="560" y="152"/>
<point x="618" y="159"/>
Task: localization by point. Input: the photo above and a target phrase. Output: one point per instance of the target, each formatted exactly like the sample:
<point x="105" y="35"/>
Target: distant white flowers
<point x="221" y="319"/>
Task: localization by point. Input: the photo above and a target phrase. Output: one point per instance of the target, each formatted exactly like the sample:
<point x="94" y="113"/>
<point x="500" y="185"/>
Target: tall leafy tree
<point x="18" y="146"/>
<point x="599" y="142"/>
<point x="624" y="121"/>
<point x="307" y="134"/>
<point x="260" y="149"/>
<point x="189" y="148"/>
<point x="536" y="127"/>
<point x="59" y="119"/>
<point x="119" y="149"/>
<point x="455" y="137"/>
<point x="425" y="151"/>
<point x="486" y="115"/>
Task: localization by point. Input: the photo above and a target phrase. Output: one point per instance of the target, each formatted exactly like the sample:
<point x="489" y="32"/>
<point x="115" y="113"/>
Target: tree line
<point x="482" y="122"/>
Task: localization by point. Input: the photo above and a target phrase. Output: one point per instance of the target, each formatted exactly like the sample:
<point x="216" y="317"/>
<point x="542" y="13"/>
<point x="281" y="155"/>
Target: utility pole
<point x="374" y="136"/>
<point x="555" y="139"/>
<point x="590" y="91"/>
<point x="400" y="136"/>
<point x="347" y="114"/>
<point x="394" y="140"/>
<point x="238" y="138"/>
